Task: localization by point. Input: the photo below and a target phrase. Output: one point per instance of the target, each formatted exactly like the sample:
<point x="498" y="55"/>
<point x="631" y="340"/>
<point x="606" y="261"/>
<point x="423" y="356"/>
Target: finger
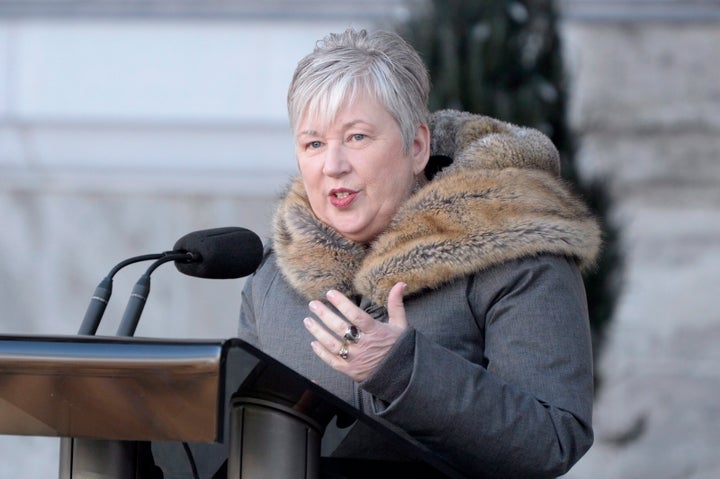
<point x="329" y="357"/>
<point x="322" y="335"/>
<point x="350" y="311"/>
<point x="334" y="322"/>
<point x="396" y="307"/>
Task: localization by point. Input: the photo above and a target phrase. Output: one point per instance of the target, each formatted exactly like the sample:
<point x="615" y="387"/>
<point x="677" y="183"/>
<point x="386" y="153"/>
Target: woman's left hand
<point x="356" y="358"/>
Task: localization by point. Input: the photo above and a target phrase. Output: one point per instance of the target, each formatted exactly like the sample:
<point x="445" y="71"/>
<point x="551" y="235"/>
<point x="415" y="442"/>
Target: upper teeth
<point x="342" y="194"/>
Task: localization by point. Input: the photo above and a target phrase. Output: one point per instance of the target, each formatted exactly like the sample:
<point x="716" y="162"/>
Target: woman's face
<point x="355" y="170"/>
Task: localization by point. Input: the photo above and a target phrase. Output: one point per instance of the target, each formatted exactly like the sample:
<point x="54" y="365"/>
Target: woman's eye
<point x="314" y="144"/>
<point x="358" y="137"/>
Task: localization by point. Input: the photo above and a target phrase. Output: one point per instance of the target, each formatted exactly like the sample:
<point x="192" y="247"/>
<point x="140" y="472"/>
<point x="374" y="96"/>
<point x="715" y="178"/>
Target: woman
<point x="426" y="268"/>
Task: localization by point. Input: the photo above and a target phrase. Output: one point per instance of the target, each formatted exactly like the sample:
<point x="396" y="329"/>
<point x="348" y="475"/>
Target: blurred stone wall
<point x="646" y="103"/>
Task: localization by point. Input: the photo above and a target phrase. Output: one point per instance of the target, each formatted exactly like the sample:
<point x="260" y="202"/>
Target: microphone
<point x="218" y="253"/>
<point x="224" y="253"/>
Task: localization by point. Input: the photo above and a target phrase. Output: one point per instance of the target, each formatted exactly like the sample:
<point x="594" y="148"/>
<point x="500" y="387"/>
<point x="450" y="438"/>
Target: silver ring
<point x="344" y="351"/>
<point x="352" y="333"/>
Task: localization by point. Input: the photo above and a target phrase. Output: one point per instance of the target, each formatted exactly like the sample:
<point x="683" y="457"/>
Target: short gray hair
<point x="343" y="65"/>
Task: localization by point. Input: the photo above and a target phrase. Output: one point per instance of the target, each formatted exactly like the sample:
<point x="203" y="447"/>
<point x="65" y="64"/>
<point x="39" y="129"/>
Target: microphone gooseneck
<point x="101" y="296"/>
<point x="141" y="290"/>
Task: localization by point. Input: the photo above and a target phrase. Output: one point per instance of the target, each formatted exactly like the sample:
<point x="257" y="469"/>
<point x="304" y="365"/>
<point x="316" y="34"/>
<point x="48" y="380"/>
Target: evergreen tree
<point x="502" y="58"/>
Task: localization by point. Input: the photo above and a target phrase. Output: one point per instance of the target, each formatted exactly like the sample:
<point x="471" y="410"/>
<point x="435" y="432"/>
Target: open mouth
<point x="342" y="198"/>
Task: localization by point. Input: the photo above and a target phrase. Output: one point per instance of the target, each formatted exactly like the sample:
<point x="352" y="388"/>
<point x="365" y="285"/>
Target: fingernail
<point x="330" y="294"/>
<point x="306" y="322"/>
<point x="313" y="305"/>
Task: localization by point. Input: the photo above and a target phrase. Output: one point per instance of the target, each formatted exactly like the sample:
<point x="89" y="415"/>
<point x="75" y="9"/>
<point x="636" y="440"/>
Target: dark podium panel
<point x="112" y="394"/>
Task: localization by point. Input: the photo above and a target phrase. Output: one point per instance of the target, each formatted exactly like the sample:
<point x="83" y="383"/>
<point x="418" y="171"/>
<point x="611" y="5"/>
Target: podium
<point x="110" y="397"/>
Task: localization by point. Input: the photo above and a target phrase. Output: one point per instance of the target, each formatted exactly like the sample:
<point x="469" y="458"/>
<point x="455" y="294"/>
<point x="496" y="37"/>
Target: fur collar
<point x="499" y="198"/>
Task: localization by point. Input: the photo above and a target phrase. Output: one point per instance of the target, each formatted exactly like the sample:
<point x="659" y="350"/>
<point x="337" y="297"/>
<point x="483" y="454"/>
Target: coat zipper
<point x="358" y="397"/>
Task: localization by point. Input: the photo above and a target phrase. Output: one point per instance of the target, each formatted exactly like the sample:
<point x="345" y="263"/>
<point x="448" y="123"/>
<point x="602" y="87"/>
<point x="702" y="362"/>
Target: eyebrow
<point x="347" y="125"/>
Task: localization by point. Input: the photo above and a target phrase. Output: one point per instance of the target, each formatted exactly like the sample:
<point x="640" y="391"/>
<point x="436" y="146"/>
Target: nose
<point x="336" y="162"/>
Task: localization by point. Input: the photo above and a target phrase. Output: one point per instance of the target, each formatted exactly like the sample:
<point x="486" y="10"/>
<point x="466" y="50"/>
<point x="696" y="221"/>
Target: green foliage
<point x="503" y="58"/>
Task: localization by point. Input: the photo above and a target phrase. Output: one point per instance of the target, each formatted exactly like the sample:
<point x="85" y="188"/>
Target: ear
<point x="421" y="148"/>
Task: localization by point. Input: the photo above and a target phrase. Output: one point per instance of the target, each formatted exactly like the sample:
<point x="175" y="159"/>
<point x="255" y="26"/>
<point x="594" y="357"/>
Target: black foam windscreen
<point x="220" y="253"/>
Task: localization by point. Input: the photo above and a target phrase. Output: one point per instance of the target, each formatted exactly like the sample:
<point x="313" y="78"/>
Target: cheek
<point x="311" y="182"/>
<point x="393" y="188"/>
<point x="398" y="177"/>
<point x="309" y="172"/>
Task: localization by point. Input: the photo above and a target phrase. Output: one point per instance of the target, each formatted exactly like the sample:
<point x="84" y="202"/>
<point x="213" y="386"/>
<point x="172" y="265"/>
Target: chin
<point x="355" y="231"/>
<point x="349" y="233"/>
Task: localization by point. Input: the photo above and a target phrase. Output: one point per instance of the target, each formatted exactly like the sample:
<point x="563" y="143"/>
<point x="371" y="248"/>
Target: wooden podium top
<point x="114" y="388"/>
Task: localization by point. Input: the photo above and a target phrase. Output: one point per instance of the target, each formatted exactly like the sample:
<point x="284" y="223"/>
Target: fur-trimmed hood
<point x="497" y="198"/>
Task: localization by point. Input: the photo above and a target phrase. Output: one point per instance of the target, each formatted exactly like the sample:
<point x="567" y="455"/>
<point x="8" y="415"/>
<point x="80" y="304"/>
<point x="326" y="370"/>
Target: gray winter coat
<point x="494" y="373"/>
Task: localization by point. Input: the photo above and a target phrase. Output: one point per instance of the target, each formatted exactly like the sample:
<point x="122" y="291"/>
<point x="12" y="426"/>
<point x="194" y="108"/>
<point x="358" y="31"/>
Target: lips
<point x="342" y="197"/>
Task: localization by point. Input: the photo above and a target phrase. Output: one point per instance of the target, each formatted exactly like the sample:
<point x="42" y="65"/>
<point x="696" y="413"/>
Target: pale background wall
<point x="124" y="126"/>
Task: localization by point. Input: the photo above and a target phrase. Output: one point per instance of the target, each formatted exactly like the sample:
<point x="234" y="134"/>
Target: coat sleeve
<point x="526" y="410"/>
